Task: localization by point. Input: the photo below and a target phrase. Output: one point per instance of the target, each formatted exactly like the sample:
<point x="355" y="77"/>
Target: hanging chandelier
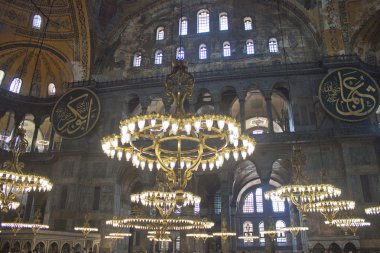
<point x="86" y="228"/>
<point x="224" y="234"/>
<point x="18" y="224"/>
<point x="178" y="143"/>
<point x="330" y="208"/>
<point x="301" y="194"/>
<point x="248" y="237"/>
<point x="197" y="236"/>
<point x="159" y="224"/>
<point x="372" y="210"/>
<point x="350" y="224"/>
<point x="12" y="180"/>
<point x="164" y="201"/>
<point x="294" y="230"/>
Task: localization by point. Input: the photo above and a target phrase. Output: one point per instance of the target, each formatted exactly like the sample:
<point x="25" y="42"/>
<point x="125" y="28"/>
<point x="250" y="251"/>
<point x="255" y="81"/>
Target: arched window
<point x="37" y="22"/>
<point x="281" y="237"/>
<point x="158" y="57"/>
<point x="226" y="49"/>
<point x="2" y="74"/>
<point x="248" y="231"/>
<point x="278" y="205"/>
<point x="273" y="46"/>
<point x="15" y="85"/>
<point x="137" y="60"/>
<point x="202" y="52"/>
<point x="160" y="33"/>
<point x="250" y="47"/>
<point x="180" y="55"/>
<point x="259" y="200"/>
<point x="203" y="21"/>
<point x="223" y="21"/>
<point x="262" y="236"/>
<point x="248" y="206"/>
<point x="247" y="23"/>
<point x="51" y="89"/>
<point x="183" y="26"/>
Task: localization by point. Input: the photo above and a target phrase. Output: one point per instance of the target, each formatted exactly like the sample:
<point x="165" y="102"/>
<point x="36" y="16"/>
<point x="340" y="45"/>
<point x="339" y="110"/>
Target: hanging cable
<point x="41" y="45"/>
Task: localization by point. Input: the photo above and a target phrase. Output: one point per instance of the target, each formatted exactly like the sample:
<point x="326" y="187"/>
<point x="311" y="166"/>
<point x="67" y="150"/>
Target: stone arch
<point x="156" y="105"/>
<point x="350" y="248"/>
<point x="205" y="102"/>
<point x="227" y="96"/>
<point x="281" y="172"/>
<point x="17" y="246"/>
<point x="246" y="176"/>
<point x="27" y="246"/>
<point x="53" y="248"/>
<point x="334" y="248"/>
<point x="283" y="112"/>
<point x="40" y="247"/>
<point x="6" y="247"/>
<point x="65" y="248"/>
<point x="365" y="41"/>
<point x="318" y="248"/>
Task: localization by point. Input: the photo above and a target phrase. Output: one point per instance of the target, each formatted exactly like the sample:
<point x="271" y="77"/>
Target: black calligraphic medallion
<point x="76" y="113"/>
<point x="349" y="94"/>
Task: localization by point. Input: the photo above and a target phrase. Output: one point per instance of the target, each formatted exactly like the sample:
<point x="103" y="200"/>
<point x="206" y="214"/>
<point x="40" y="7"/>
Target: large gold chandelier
<point x="165" y="201"/>
<point x="372" y="210"/>
<point x="179" y="143"/>
<point x="13" y="181"/>
<point x="159" y="224"/>
<point x="330" y="208"/>
<point x="302" y="194"/>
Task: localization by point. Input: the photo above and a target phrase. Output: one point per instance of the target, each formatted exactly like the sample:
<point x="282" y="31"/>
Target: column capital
<point x="241" y="94"/>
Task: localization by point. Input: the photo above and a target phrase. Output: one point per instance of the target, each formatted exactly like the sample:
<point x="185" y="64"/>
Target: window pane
<point x="273" y="47"/>
<point x="37" y="22"/>
<point x="250" y="47"/>
<point x="248" y="231"/>
<point x="2" y="74"/>
<point x="226" y="49"/>
<point x="160" y="33"/>
<point x="183" y="26"/>
<point x="196" y="207"/>
<point x="223" y="22"/>
<point x="217" y="203"/>
<point x="137" y="60"/>
<point x="248" y="203"/>
<point x="158" y="57"/>
<point x="259" y="200"/>
<point x="51" y="89"/>
<point x="203" y="21"/>
<point x="202" y="52"/>
<point x="278" y="205"/>
<point x="281" y="237"/>
<point x="177" y="243"/>
<point x="15" y="85"/>
<point x="262" y="237"/>
<point x="247" y="24"/>
<point x="180" y="53"/>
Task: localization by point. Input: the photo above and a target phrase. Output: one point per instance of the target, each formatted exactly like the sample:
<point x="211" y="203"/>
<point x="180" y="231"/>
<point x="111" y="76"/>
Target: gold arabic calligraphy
<point x="76" y="115"/>
<point x="351" y="94"/>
